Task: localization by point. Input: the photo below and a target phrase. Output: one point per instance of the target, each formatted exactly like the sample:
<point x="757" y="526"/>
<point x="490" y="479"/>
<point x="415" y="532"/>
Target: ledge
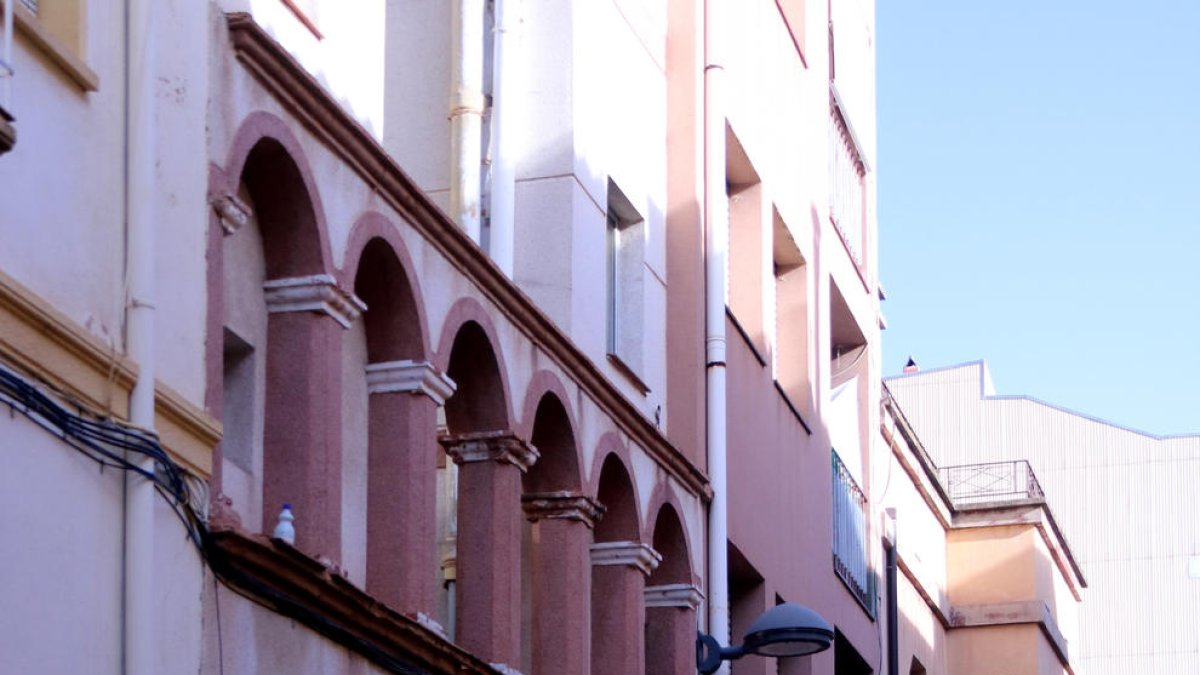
<point x="63" y="57"/>
<point x="44" y="343"/>
<point x="281" y="578"/>
<point x="302" y="96"/>
<point x="1008" y="613"/>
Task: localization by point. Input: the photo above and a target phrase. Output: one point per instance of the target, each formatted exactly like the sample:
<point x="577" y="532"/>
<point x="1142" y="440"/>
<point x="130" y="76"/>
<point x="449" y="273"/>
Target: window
<point x="847" y="173"/>
<point x="789" y="316"/>
<point x="59" y="29"/>
<point x="748" y="258"/>
<point x="851" y="560"/>
<point x="625" y="262"/>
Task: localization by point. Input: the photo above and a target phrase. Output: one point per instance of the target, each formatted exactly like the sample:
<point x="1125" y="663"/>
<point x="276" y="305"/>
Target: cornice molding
<point x="685" y="596"/>
<point x="631" y="553"/>
<point x="414" y="377"/>
<point x="40" y="341"/>
<point x="490" y="446"/>
<point x="562" y="506"/>
<point x="314" y="293"/>
<point x="304" y="98"/>
<point x="281" y="578"/>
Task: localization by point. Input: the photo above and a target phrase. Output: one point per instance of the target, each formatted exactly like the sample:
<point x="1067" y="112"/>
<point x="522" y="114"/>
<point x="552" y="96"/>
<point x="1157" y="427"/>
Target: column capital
<point x="562" y="506"/>
<point x="232" y="211"/>
<point x="490" y="446"/>
<point x="687" y="596"/>
<point x="414" y="377"/>
<point x="314" y="293"/>
<point x="631" y="553"/>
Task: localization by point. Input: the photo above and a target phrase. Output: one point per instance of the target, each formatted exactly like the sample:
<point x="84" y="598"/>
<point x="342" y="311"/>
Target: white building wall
<point x="1125" y="501"/>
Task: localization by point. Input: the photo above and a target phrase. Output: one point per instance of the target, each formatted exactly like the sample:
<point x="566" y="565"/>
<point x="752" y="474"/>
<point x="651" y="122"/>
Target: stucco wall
<point x="996" y="650"/>
<point x="62" y="538"/>
<point x="992" y="565"/>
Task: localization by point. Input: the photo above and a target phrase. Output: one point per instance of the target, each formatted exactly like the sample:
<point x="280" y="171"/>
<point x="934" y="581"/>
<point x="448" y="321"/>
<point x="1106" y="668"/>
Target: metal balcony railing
<point x="850" y="551"/>
<point x="991" y="482"/>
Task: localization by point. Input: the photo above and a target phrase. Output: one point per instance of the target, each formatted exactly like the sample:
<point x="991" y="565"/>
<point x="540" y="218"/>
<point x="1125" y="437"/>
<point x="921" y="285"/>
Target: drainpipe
<point x="893" y="611"/>
<point x="716" y="220"/>
<point x="138" y="626"/>
<point x="466" y="114"/>
<point x="505" y="72"/>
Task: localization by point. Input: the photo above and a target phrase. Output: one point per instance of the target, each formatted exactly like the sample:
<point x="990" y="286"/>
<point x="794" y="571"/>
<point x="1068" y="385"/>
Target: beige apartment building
<point x="1125" y="499"/>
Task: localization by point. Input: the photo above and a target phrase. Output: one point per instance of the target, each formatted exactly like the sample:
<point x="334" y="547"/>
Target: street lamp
<point x="784" y="630"/>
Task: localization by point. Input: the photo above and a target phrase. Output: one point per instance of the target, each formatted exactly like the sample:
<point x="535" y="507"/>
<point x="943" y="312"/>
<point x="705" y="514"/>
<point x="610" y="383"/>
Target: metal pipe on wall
<point x="502" y="207"/>
<point x="138" y="626"/>
<point x="466" y="114"/>
<point x="716" y="222"/>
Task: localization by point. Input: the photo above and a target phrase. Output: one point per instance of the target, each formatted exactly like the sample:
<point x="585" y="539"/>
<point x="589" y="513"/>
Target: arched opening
<point x="479" y="404"/>
<point x="491" y="461"/>
<point x="281" y="388"/>
<point x="620" y="564"/>
<point x="555" y="545"/>
<point x="403" y="393"/>
<point x="671" y="601"/>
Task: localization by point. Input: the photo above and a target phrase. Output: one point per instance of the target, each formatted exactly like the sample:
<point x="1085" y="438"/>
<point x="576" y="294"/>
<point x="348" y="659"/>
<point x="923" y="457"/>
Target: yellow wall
<point x="992" y="564"/>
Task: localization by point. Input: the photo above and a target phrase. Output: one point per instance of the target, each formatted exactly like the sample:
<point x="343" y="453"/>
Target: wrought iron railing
<point x="851" y="559"/>
<point x="990" y="482"/>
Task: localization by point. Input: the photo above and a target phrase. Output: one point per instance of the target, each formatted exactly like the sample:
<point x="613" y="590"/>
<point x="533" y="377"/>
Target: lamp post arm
<point x="710" y="654"/>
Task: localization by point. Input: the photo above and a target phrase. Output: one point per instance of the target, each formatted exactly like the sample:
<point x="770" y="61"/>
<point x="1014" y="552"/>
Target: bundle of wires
<point x="112" y="443"/>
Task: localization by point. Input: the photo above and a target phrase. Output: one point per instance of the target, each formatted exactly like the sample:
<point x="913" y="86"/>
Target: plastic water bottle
<point x="284" y="529"/>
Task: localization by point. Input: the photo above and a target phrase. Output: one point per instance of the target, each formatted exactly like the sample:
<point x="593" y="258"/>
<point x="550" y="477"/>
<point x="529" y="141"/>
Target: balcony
<point x="999" y="483"/>
<point x="847" y="192"/>
<point x="850" y="551"/>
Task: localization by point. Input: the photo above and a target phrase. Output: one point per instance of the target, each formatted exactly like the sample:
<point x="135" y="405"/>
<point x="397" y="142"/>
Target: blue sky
<point x="1039" y="199"/>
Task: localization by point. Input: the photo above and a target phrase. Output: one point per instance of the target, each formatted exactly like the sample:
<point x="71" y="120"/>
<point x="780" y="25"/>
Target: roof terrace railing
<point x="968" y="484"/>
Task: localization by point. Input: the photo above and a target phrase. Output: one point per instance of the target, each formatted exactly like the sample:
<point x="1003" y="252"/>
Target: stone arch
<point x="669" y="537"/>
<point x="620" y="564"/>
<point x="491" y="461"/>
<point x="556" y="537"/>
<point x="469" y="353"/>
<point x="295" y="350"/>
<point x="374" y="242"/>
<point x="549" y="425"/>
<point x="616" y="492"/>
<point x="268" y="158"/>
<point x="404" y="392"/>
<point x="671" y="598"/>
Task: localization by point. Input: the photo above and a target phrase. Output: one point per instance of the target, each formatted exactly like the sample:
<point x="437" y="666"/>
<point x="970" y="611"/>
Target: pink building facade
<point x="555" y="325"/>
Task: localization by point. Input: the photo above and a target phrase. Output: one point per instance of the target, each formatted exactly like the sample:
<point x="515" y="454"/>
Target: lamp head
<point x="784" y="630"/>
<point x="788" y="630"/>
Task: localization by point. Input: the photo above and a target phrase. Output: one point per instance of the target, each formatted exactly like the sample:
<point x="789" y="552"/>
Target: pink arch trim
<point x="261" y="125"/>
<point x="466" y="310"/>
<point x="374" y="225"/>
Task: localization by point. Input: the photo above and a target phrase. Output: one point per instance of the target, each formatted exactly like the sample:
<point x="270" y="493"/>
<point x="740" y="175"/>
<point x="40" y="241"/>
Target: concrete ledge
<point x="1005" y="613"/>
<point x="281" y="578"/>
<point x="42" y="342"/>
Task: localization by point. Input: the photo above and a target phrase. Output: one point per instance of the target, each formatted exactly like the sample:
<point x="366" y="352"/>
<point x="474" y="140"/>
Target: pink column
<point x="489" y="541"/>
<point x="563" y="523"/>
<point x="302" y="435"/>
<point x="671" y="629"/>
<point x="401" y="483"/>
<point x="619" y="571"/>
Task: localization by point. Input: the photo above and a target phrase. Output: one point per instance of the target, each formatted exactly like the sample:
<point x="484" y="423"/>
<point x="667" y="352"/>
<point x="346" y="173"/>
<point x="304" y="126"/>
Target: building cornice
<point x="317" y="293"/>
<point x="281" y="578"/>
<point x="304" y="97"/>
<point x="44" y="343"/>
<point x="413" y="377"/>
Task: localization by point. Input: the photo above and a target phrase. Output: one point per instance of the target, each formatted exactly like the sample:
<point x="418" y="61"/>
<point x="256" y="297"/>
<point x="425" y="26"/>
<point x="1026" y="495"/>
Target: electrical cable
<point x="109" y="442"/>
